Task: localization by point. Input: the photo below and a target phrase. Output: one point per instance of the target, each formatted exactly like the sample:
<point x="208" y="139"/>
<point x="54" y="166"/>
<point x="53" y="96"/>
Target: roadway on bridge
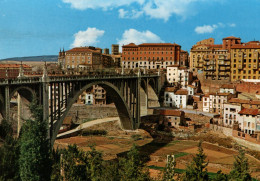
<point x="87" y="125"/>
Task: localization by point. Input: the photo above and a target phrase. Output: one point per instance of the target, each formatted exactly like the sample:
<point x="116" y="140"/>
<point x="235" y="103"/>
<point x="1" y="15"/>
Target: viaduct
<point x="57" y="94"/>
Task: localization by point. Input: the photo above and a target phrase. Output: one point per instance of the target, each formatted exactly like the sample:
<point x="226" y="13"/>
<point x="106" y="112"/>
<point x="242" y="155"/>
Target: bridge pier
<point x="7" y="103"/>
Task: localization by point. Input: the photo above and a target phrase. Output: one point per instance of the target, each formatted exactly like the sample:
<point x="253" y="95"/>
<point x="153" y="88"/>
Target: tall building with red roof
<point x="152" y="55"/>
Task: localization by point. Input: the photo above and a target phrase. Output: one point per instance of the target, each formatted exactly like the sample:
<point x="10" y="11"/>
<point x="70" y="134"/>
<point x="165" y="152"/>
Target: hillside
<point x="47" y="58"/>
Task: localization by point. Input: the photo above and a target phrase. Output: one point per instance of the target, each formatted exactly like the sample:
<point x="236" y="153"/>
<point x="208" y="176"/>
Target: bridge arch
<point x="122" y="107"/>
<point x="26" y="92"/>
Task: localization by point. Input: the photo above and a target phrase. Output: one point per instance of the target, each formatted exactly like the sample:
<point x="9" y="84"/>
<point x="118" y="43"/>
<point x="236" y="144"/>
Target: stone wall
<point x="224" y="130"/>
<point x="81" y="113"/>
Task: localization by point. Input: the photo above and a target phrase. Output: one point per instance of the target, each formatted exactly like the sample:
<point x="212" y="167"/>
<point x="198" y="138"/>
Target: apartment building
<point x="12" y="70"/>
<point x="213" y="59"/>
<point x="177" y="75"/>
<point x="152" y="55"/>
<point x="214" y="102"/>
<point x="249" y="119"/>
<point x="245" y="61"/>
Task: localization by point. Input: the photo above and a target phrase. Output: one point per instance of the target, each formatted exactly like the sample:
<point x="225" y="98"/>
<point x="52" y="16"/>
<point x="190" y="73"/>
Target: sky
<point x="42" y="27"/>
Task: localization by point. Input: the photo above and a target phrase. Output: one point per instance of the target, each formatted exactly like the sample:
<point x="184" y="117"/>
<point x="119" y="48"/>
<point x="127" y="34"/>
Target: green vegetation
<point x="34" y="159"/>
<point x="180" y="154"/>
<point x="136" y="137"/>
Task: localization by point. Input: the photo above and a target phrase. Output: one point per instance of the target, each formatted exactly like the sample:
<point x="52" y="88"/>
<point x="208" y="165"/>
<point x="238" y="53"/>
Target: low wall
<point x="224" y="130"/>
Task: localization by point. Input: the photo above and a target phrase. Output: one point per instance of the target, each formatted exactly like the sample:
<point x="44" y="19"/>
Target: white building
<point x="178" y="75"/>
<point x="228" y="88"/>
<point x="230" y="114"/>
<point x="89" y="98"/>
<point x="214" y="102"/>
<point x="250" y="120"/>
<point x="178" y="99"/>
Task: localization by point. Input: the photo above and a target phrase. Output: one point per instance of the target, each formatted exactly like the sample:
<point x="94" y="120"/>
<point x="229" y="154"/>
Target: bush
<point x="93" y="132"/>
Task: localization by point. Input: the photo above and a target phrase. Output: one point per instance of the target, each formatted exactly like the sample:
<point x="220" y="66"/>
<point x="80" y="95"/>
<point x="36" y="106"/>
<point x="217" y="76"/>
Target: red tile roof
<point x="159" y="44"/>
<point x="14" y="66"/>
<point x="170" y="89"/>
<point x="130" y="45"/>
<point x="231" y="37"/>
<point x="228" y="86"/>
<point x="246" y="111"/>
<point x="84" y="49"/>
<point x="171" y="112"/>
<point x="181" y="92"/>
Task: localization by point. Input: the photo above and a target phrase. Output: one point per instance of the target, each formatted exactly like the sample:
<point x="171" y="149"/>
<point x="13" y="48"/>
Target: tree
<point x="220" y="177"/>
<point x="9" y="153"/>
<point x="197" y="171"/>
<point x="132" y="168"/>
<point x="240" y="170"/>
<point x="168" y="172"/>
<point x="34" y="160"/>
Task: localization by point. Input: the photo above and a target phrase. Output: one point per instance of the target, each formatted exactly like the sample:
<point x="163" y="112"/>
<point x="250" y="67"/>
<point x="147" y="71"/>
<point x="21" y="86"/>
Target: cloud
<point x="104" y="4"/>
<point x="205" y="29"/>
<point x="211" y="28"/>
<point x="138" y="37"/>
<point x="158" y="9"/>
<point x="87" y="38"/>
<point x="129" y="14"/>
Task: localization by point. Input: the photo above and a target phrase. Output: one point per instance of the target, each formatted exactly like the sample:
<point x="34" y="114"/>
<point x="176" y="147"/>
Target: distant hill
<point x="47" y="58"/>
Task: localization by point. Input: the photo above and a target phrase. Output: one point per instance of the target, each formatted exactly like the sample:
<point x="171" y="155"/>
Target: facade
<point x="213" y="59"/>
<point x="99" y="95"/>
<point x="214" y="102"/>
<point x="245" y="61"/>
<point x="230" y="114"/>
<point x="12" y="70"/>
<point x="83" y="58"/>
<point x="228" y="88"/>
<point x="151" y="55"/>
<point x="173" y="118"/>
<point x="89" y="98"/>
<point x="249" y="120"/>
<point x="178" y="75"/>
<point x="176" y="98"/>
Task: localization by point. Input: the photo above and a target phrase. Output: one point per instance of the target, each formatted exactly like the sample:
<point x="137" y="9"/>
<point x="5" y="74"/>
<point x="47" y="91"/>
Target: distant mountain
<point x="47" y="58"/>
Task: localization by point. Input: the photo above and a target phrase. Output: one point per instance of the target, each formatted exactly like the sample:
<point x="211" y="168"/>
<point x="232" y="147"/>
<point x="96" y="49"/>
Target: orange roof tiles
<point x="231" y="37"/>
<point x="246" y="111"/>
<point x="170" y="89"/>
<point x="130" y="45"/>
<point x="159" y="44"/>
<point x="171" y="112"/>
<point x="228" y="86"/>
<point x="14" y="66"/>
<point x="181" y="92"/>
<point x="192" y="86"/>
<point x="84" y="49"/>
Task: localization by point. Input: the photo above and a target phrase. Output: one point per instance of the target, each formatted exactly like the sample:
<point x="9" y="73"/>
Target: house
<point x="214" y="102"/>
<point x="173" y="118"/>
<point x="178" y="75"/>
<point x="228" y="88"/>
<point x="230" y="114"/>
<point x="249" y="119"/>
<point x="175" y="98"/>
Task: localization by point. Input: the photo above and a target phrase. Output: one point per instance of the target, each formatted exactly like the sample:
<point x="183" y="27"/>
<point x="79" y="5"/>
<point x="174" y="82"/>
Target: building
<point x="214" y="102"/>
<point x="89" y="98"/>
<point x="151" y="55"/>
<point x="230" y="114"/>
<point x="99" y="95"/>
<point x="249" y="119"/>
<point x="12" y="70"/>
<point x="84" y="58"/>
<point x="175" y="98"/>
<point x="228" y="88"/>
<point x="245" y="60"/>
<point x="173" y="118"/>
<point x="178" y="75"/>
<point x="213" y="59"/>
<point x="250" y="104"/>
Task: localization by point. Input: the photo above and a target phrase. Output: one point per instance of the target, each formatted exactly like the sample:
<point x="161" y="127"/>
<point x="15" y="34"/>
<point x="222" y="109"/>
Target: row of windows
<point x="244" y="72"/>
<point x="245" y="77"/>
<point x="149" y="58"/>
<point x="147" y="53"/>
<point x="136" y="49"/>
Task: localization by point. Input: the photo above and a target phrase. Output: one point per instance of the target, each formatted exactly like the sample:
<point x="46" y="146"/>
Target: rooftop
<point x="247" y="111"/>
<point x="171" y="112"/>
